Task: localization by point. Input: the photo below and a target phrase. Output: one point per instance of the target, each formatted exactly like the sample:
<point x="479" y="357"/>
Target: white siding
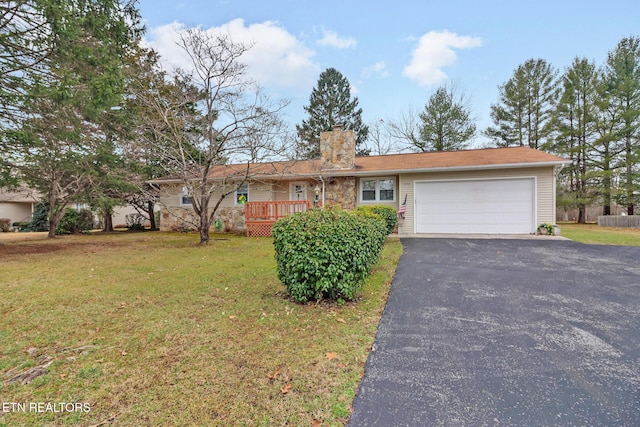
<point x="15" y="211"/>
<point x="545" y="189"/>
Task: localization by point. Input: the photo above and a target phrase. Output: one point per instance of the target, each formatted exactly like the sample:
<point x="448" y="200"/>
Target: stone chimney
<point x="337" y="149"/>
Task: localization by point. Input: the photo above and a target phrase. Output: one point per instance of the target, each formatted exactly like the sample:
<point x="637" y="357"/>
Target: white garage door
<point x="475" y="206"/>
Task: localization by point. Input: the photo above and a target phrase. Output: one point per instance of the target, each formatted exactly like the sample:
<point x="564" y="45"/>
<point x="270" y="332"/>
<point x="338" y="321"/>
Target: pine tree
<point x="446" y="122"/>
<point x="527" y="101"/>
<point x="330" y="103"/>
<point x="576" y="123"/>
<point x="66" y="95"/>
<point x="623" y="84"/>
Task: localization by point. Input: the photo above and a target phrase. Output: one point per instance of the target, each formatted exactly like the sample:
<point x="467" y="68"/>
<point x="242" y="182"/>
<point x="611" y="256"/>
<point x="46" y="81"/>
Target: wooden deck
<point x="260" y="216"/>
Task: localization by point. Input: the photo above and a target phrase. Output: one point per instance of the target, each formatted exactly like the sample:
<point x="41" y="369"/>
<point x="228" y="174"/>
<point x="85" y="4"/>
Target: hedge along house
<point x="486" y="191"/>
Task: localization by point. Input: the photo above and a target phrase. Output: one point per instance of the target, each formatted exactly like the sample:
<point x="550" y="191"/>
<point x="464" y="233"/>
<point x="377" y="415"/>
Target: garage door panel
<point x="475" y="206"/>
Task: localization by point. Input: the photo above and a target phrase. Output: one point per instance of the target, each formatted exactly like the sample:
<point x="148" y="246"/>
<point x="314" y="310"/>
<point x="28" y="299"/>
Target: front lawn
<point x="151" y="329"/>
<point x="592" y="233"/>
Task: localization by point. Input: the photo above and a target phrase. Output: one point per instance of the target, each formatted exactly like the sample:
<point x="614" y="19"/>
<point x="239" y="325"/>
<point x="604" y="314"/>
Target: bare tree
<point x="211" y="119"/>
<point x="380" y="141"/>
<point x="405" y="130"/>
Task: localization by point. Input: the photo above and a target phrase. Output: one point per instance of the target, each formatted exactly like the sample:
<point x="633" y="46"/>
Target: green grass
<point x="152" y="329"/>
<point x="593" y="234"/>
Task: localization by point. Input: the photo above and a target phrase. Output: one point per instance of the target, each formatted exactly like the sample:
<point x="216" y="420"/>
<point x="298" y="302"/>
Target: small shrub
<point x="386" y="212"/>
<point x="22" y="225"/>
<point x="74" y="221"/>
<point x="545" y="229"/>
<point x="326" y="253"/>
<point x="40" y="218"/>
<point x="135" y="221"/>
<point x="5" y="225"/>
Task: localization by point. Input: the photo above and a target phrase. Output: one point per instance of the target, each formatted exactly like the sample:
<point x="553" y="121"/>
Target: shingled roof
<point x="485" y="158"/>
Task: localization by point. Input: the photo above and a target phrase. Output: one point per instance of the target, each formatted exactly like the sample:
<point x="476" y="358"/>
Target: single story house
<point x="18" y="204"/>
<point x="494" y="190"/>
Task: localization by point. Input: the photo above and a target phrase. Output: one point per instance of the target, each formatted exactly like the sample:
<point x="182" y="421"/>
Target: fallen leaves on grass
<point x="331" y="355"/>
<point x="286" y="389"/>
<point x="341" y="320"/>
<point x="274" y="375"/>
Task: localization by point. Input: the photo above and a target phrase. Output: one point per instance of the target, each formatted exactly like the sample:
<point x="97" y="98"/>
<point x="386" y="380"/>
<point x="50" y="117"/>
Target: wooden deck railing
<point x="260" y="216"/>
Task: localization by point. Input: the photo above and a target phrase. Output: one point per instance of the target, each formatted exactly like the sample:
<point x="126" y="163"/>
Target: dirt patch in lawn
<point x="43" y="245"/>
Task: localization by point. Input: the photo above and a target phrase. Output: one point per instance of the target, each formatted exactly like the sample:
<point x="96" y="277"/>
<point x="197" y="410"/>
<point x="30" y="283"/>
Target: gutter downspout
<point x="322" y="181"/>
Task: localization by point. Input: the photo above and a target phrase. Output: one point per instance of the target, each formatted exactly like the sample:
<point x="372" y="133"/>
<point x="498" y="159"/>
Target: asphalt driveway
<point x="507" y="332"/>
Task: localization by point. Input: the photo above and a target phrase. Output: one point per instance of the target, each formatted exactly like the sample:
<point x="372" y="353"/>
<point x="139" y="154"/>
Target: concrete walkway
<point x="480" y="236"/>
<point x="495" y="332"/>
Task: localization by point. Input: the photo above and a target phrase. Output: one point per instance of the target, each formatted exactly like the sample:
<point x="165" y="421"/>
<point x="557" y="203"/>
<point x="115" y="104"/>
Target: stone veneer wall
<point x="340" y="192"/>
<point x="184" y="219"/>
<point x="337" y="149"/>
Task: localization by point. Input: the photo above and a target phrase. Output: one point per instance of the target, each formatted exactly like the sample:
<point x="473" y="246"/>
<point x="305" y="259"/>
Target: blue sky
<point x="395" y="54"/>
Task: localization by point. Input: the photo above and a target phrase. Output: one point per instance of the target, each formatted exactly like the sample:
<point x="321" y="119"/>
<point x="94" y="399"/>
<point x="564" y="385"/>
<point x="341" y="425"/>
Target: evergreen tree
<point x="623" y="91"/>
<point x="446" y="122"/>
<point x="330" y="103"/>
<point x="527" y="101"/>
<point x="66" y="95"/>
<point x="606" y="149"/>
<point x="576" y="120"/>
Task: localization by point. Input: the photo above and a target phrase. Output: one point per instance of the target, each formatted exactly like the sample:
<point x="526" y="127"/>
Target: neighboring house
<point x="18" y="204"/>
<point x="494" y="190"/>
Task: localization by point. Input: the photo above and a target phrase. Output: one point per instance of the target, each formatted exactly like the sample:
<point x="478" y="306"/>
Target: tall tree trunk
<point x="606" y="184"/>
<point x="204" y="227"/>
<point x="582" y="217"/>
<point x="152" y="217"/>
<point x="629" y="175"/>
<point x="52" y="229"/>
<point x="54" y="217"/>
<point x="107" y="220"/>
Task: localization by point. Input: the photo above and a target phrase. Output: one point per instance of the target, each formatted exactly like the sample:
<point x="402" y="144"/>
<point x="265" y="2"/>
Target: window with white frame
<point x="242" y="194"/>
<point x="185" y="199"/>
<point x="377" y="190"/>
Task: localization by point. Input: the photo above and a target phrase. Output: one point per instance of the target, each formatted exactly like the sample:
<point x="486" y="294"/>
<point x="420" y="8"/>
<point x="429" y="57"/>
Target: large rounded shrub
<point x="326" y="253"/>
<point x="74" y="221"/>
<point x="387" y="212"/>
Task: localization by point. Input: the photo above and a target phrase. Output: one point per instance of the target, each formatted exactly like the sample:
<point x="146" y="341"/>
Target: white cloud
<point x="435" y="51"/>
<point x="379" y="68"/>
<point x="332" y="39"/>
<point x="276" y="57"/>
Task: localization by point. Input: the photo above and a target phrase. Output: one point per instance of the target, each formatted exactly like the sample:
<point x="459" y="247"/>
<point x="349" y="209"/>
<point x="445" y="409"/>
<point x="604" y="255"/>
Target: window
<point x="184" y="197"/>
<point x="386" y="187"/>
<point x="242" y="194"/>
<point x="378" y="190"/>
<point x="369" y="190"/>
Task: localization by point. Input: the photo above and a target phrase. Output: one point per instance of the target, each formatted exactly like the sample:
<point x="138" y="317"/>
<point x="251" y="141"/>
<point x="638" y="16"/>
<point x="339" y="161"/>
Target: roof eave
<point x="449" y="169"/>
<point x="351" y="172"/>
